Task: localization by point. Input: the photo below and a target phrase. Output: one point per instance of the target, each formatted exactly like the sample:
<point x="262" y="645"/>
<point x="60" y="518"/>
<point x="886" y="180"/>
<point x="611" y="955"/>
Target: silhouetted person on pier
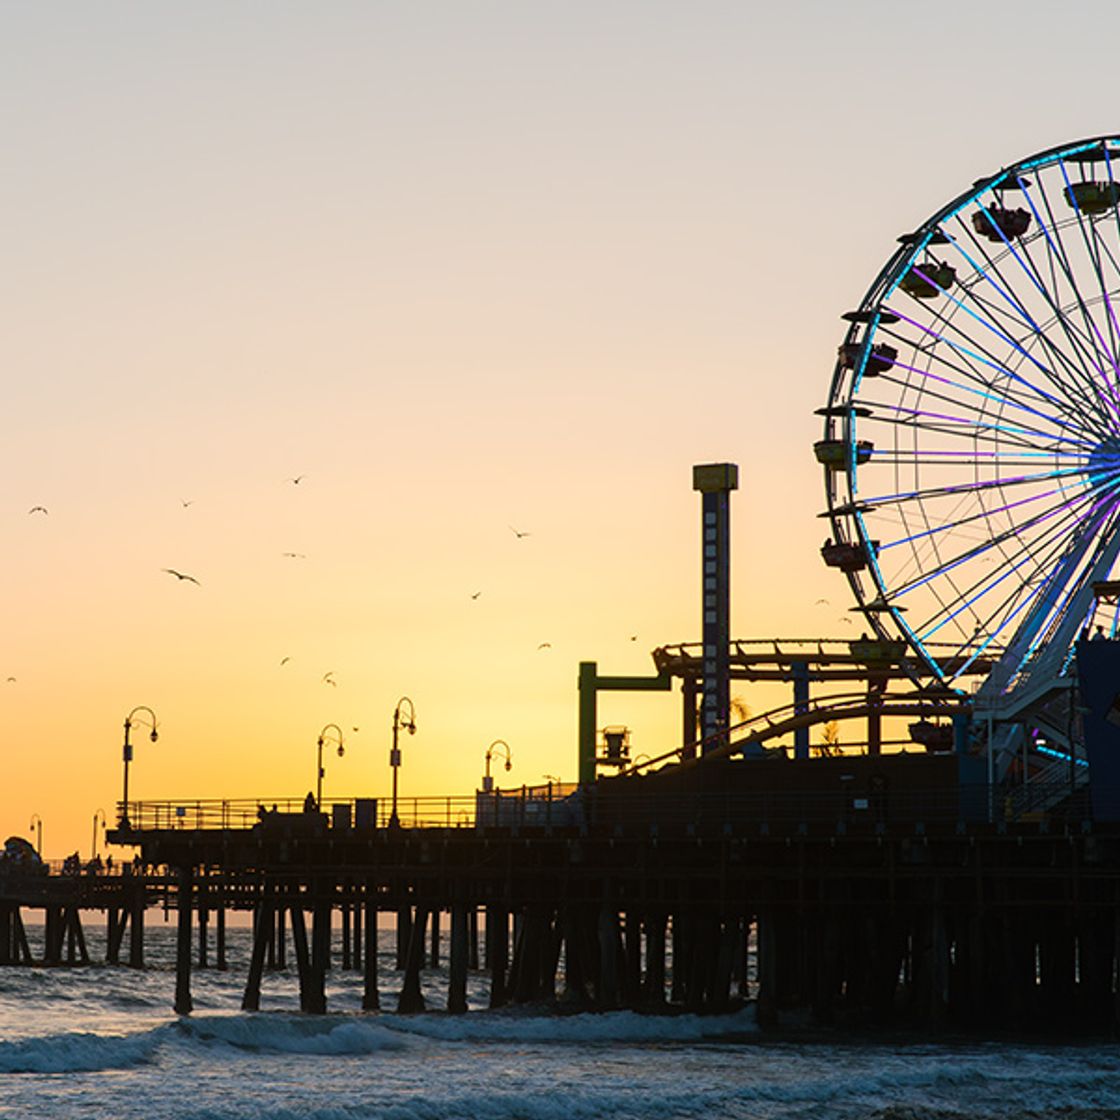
<point x="309" y="805"/>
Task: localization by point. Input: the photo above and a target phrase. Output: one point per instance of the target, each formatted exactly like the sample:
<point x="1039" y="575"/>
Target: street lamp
<point x="124" y="822"/>
<point x="487" y="781"/>
<point x="319" y="770"/>
<point x="395" y="754"/>
<point x="93" y="846"/>
<point x="37" y="824"/>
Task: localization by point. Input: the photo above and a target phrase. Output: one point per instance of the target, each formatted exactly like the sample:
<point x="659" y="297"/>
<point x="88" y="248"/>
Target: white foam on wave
<point x="292" y="1034"/>
<point x="609" y="1026"/>
<point x="79" y="1052"/>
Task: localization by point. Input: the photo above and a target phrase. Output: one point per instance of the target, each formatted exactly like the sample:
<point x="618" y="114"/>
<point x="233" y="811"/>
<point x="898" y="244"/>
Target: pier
<point x="821" y="905"/>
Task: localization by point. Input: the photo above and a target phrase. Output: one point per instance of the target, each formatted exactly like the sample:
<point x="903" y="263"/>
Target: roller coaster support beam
<point x="590" y="685"/>
<point x="799" y="671"/>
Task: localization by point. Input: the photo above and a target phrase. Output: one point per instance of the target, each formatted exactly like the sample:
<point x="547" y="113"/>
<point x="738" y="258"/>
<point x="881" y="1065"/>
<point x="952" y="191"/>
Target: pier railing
<point x="527" y="805"/>
<point x="566" y="806"/>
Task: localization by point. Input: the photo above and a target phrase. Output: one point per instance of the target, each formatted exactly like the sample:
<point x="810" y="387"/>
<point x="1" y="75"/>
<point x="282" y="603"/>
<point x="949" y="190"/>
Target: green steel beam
<point x="590" y="685"/>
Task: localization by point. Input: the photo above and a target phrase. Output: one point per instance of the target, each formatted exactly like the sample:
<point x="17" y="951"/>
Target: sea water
<point x="101" y="1041"/>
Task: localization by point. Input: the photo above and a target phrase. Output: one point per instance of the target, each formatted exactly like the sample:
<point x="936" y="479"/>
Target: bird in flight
<point x="819" y="602"/>
<point x="181" y="576"/>
<point x="476" y="594"/>
<point x="38" y="509"/>
<point x="185" y="502"/>
<point x="296" y="555"/>
<point x="328" y="678"/>
<point x="284" y="660"/>
<point x="545" y="645"/>
<point x="295" y="481"/>
<point x="518" y="533"/>
<point x="11" y="680"/>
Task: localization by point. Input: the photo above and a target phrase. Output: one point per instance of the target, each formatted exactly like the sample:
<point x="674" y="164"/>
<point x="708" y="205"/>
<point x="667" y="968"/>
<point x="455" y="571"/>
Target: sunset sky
<point x="462" y="268"/>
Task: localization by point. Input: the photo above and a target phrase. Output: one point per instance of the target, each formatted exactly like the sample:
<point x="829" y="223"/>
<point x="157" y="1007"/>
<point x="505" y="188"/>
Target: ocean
<point x="101" y="1041"/>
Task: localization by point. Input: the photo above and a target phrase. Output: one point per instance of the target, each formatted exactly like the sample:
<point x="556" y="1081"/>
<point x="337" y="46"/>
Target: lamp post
<point x="128" y="720"/>
<point x="487" y="781"/>
<point x="37" y="825"/>
<point x="409" y="724"/>
<point x="319" y="769"/>
<point x="93" y="846"/>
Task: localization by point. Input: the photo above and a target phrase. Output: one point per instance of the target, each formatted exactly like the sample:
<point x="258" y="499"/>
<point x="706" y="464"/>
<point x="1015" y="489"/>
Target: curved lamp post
<point x="93" y="846"/>
<point x="128" y="721"/>
<point x="323" y="738"/>
<point x="409" y="724"/>
<point x="487" y="780"/>
<point x="37" y="825"/>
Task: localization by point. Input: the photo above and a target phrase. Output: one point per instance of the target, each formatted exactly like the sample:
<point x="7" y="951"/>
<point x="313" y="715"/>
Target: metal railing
<point x="625" y="805"/>
<point x="525" y="805"/>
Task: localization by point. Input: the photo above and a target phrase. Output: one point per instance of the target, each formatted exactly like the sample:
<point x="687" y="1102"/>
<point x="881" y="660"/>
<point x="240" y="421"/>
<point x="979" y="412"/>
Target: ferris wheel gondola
<point x="971" y="443"/>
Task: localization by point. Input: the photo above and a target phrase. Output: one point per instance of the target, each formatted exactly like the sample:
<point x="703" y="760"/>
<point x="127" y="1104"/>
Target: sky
<point x="462" y="268"/>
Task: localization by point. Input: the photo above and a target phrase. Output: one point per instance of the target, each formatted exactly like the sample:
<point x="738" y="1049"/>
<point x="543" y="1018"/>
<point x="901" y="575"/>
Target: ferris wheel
<point x="971" y="444"/>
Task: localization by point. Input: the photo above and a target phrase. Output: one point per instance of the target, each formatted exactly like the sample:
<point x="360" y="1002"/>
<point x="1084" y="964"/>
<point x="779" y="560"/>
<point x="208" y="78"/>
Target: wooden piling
<point x="346" y="951"/>
<point x="371" y="998"/>
<point x="183" y="1003"/>
<point x="459" y="952"/>
<point x="497" y="946"/>
<point x="262" y="939"/>
<point x="404" y="936"/>
<point x="411" y="998"/>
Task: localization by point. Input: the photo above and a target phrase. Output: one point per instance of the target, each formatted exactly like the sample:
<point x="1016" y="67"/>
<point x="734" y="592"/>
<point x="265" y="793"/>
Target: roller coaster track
<point x="760" y="729"/>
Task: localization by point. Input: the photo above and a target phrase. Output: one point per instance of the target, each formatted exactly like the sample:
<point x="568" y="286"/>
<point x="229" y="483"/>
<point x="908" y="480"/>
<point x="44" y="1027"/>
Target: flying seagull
<point x="181" y="575"/>
<point x="518" y="533"/>
<point x="296" y="555"/>
<point x="295" y="481"/>
<point x="184" y="502"/>
<point x="284" y="660"/>
<point x="545" y="645"/>
<point x="819" y="602"/>
<point x="476" y="594"/>
<point x="37" y="509"/>
<point x="328" y="678"/>
<point x="11" y="680"/>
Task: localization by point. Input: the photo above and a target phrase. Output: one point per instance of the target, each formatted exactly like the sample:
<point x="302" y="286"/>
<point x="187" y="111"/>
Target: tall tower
<point x="715" y="481"/>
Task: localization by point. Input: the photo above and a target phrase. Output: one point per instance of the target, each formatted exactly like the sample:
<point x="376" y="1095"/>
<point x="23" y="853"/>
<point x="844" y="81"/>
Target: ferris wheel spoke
<point x="1054" y="240"/>
<point x="978" y="429"/>
<point x="984" y="517"/>
<point x="1000" y="614"/>
<point x="1079" y="382"/>
<point x="972" y="314"/>
<point x="1080" y="343"/>
<point x="1093" y="250"/>
<point x="973" y="360"/>
<point x="975" y="487"/>
<point x="1076" y="366"/>
<point x="1015" y="535"/>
